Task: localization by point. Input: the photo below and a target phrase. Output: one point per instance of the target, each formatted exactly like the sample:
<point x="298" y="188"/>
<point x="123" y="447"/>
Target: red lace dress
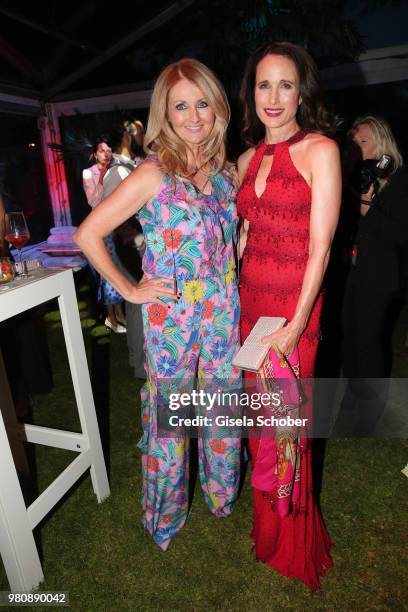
<point x="273" y="267"/>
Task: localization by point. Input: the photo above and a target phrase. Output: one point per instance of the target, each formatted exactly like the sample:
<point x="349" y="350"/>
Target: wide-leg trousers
<point x="192" y="340"/>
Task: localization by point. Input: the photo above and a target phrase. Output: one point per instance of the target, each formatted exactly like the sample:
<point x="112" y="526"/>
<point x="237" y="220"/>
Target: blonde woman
<point x="184" y="195"/>
<point x="374" y="276"/>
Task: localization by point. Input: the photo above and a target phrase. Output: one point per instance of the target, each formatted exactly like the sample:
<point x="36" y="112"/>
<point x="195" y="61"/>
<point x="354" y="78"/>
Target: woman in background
<point x="93" y="177"/>
<point x="93" y="186"/>
<point x="375" y="274"/>
<point x="289" y="201"/>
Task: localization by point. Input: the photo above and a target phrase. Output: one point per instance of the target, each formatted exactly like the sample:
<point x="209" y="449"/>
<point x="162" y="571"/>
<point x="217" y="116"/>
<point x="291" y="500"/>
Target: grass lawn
<point x="103" y="557"/>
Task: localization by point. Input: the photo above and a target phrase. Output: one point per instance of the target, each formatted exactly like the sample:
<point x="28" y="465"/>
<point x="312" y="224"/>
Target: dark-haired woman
<point x="289" y="202"/>
<point x="92" y="179"/>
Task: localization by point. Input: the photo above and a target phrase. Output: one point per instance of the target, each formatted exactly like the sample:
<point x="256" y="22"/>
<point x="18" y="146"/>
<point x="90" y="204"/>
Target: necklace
<point x="192" y="177"/>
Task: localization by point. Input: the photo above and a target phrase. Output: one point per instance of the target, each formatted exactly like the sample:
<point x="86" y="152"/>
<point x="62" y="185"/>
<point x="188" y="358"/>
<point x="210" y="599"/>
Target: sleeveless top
<point x="189" y="234"/>
<point x="276" y="253"/>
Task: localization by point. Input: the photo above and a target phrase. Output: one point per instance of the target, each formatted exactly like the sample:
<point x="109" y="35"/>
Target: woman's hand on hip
<point x="152" y="291"/>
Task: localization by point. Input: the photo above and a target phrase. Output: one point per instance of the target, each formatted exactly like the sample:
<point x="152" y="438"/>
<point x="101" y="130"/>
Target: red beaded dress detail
<point x="273" y="268"/>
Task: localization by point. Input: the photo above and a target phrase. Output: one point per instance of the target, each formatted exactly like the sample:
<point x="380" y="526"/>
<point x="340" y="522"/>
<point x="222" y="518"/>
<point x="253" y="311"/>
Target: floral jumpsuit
<point x="190" y="239"/>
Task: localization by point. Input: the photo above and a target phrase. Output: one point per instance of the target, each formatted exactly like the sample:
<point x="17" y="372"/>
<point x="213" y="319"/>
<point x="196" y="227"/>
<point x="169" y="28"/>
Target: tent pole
<point x="54" y="166"/>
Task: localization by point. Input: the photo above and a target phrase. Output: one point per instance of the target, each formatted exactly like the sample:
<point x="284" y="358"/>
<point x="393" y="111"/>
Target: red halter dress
<point x="273" y="268"/>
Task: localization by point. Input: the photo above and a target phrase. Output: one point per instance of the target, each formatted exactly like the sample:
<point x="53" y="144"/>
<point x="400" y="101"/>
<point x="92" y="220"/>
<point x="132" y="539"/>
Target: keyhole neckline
<point x="269" y="149"/>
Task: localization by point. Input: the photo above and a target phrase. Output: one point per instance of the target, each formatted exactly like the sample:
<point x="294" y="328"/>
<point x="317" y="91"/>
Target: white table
<point x="17" y="545"/>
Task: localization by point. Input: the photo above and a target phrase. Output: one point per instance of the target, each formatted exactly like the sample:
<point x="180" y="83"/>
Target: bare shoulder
<point x="150" y="172"/>
<point x="245" y="158"/>
<point x="319" y="145"/>
<point x="243" y="162"/>
<point x="231" y="171"/>
<point x="149" y="166"/>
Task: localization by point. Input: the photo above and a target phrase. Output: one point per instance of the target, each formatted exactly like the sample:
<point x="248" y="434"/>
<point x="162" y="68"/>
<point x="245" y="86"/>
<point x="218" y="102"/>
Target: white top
<point x="92" y="187"/>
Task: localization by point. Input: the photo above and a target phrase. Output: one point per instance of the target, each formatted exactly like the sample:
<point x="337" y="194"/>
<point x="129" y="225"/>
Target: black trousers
<point x="367" y="331"/>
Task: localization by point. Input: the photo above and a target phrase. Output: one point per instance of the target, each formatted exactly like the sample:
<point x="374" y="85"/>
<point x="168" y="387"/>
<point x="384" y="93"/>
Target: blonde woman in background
<point x="374" y="277"/>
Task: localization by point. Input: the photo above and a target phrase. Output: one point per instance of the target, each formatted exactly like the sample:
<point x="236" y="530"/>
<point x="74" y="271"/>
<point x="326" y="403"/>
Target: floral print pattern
<point x="190" y="240"/>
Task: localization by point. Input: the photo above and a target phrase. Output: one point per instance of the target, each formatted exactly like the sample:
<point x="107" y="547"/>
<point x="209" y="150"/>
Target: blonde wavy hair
<point x="384" y="141"/>
<point x="161" y="139"/>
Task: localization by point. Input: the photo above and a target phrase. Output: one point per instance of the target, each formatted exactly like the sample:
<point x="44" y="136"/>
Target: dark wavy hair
<point x="311" y="116"/>
<point x="103" y="139"/>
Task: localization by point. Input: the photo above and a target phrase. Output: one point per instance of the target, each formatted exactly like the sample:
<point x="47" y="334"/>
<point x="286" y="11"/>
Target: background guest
<point x="93" y="176"/>
<point x="380" y="206"/>
<point x="127" y="143"/>
<point x="93" y="187"/>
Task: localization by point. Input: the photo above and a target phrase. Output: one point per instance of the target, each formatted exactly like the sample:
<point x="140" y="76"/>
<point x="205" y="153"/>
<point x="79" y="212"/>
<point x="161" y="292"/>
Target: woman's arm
<point x="326" y="195"/>
<point x="242" y="238"/>
<point x="93" y="191"/>
<point x="242" y="164"/>
<point x="390" y="224"/>
<point x="125" y="201"/>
